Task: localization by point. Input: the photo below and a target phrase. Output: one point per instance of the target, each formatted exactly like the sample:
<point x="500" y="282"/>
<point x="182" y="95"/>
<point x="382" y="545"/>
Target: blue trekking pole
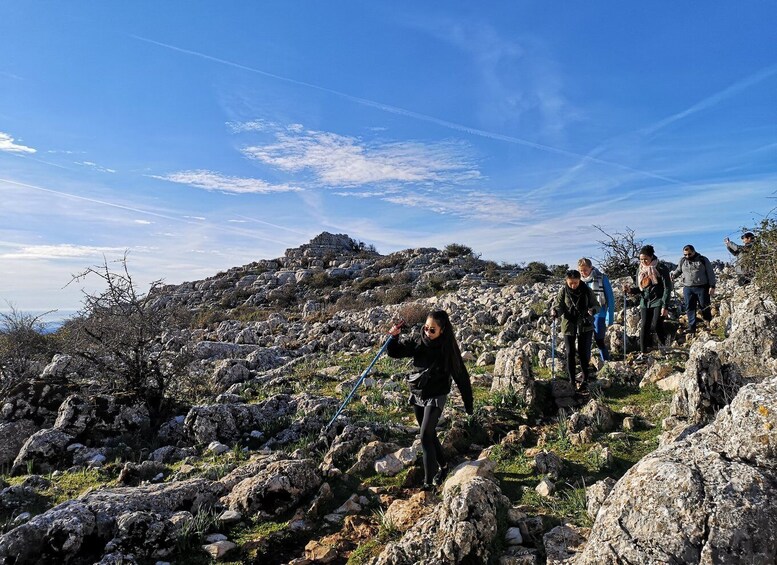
<point x="361" y="379"/>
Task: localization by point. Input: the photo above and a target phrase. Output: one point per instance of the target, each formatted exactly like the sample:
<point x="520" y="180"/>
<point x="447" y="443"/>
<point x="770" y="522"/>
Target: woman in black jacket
<point x="437" y="360"/>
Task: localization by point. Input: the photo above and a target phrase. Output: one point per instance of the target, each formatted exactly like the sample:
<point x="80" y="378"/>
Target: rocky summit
<point x="203" y="434"/>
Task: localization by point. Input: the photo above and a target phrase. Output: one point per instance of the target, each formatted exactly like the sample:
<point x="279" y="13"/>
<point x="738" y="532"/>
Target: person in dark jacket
<point x="737" y="250"/>
<point x="437" y="360"/>
<point x="698" y="280"/>
<point x="576" y="304"/>
<point x="654" y="287"/>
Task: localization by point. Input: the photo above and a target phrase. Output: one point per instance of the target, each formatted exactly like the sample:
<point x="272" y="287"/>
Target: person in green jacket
<point x="654" y="287"/>
<point x="576" y="305"/>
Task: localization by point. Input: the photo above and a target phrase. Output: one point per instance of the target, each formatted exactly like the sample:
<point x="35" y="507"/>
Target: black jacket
<point x="429" y="356"/>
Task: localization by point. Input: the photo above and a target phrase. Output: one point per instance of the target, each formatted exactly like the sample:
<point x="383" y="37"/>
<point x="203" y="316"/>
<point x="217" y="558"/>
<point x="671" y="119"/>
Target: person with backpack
<point x="698" y="280"/>
<point x="576" y="305"/>
<point x="437" y="361"/>
<point x="654" y="287"/>
<point x="599" y="283"/>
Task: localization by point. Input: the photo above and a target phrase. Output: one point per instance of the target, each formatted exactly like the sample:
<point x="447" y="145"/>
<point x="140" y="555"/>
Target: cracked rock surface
<point x="710" y="498"/>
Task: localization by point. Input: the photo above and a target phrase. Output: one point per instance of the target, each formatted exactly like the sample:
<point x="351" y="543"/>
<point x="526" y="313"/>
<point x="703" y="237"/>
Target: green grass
<point x="365" y="553"/>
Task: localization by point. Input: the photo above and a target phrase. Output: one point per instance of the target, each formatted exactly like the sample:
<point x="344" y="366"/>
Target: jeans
<point x="427" y="417"/>
<point x="583" y="349"/>
<point x="697" y="297"/>
<point x="600" y="332"/>
<point x="650" y="322"/>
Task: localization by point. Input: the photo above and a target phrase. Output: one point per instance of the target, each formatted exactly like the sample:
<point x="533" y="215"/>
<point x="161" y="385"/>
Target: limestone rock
<point x="346" y="445"/>
<point x="228" y="422"/>
<point x="562" y="543"/>
<point x="276" y="489"/>
<point x="709" y="498"/>
<point x="596" y="494"/>
<point x="461" y="529"/>
<point x="44" y="450"/>
<point x="512" y="372"/>
<point x="14" y="435"/>
<point x="52" y="537"/>
<point x="145" y="534"/>
<point x="706" y="386"/>
<point x="218" y="550"/>
<point x="403" y="514"/>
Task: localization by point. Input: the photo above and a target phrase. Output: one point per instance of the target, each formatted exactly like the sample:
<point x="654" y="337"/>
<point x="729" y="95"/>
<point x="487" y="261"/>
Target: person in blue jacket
<point x="437" y="361"/>
<point x="600" y="284"/>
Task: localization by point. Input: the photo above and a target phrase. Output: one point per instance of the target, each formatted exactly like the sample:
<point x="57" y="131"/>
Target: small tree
<point x="119" y="334"/>
<point x="621" y="253"/>
<point x="24" y="348"/>
<point x="534" y="272"/>
<point x="458" y="250"/>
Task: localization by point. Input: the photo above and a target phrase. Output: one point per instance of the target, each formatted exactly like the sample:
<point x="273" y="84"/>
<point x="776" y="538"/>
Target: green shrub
<point x="761" y="259"/>
<point x="457" y="250"/>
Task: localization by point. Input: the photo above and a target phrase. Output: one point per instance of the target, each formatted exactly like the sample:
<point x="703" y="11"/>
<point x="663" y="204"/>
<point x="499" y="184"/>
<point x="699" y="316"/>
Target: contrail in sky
<point x="714" y="99"/>
<point x="416" y="115"/>
<point x="247" y="233"/>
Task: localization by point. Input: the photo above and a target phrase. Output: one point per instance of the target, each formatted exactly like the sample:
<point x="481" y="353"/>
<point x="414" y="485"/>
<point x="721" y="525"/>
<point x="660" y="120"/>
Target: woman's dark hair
<point x="647" y="250"/>
<point x="573" y="274"/>
<point x="451" y="353"/>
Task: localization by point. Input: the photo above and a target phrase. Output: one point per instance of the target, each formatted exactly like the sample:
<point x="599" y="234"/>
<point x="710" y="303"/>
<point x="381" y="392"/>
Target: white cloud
<point x="208" y="180"/>
<point x="476" y="205"/>
<point x="252" y="125"/>
<point x="7" y="144"/>
<point x="95" y="166"/>
<point x="143" y="222"/>
<point x="61" y="251"/>
<point x="338" y="160"/>
<point x="237" y="221"/>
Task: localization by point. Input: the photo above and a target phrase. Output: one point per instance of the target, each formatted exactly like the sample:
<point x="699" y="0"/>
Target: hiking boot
<point x="439" y="478"/>
<point x="427" y="487"/>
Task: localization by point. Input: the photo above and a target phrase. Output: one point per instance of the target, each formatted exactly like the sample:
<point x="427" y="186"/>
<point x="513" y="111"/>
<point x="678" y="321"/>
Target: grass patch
<point x="365" y="553"/>
<point x="568" y="505"/>
<point x="69" y="485"/>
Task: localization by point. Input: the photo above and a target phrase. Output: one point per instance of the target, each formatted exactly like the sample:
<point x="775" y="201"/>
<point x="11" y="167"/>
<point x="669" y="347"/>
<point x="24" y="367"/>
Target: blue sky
<point x="204" y="135"/>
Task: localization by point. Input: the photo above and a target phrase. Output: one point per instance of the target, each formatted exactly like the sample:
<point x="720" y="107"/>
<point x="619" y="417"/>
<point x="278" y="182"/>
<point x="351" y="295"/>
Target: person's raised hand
<point x="396" y="329"/>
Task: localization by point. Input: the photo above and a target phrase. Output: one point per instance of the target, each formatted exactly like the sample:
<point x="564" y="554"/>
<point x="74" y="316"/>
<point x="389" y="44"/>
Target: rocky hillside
<point x="670" y="459"/>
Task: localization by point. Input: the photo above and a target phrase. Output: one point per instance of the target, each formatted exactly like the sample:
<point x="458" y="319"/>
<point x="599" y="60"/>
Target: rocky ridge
<point x="717" y="437"/>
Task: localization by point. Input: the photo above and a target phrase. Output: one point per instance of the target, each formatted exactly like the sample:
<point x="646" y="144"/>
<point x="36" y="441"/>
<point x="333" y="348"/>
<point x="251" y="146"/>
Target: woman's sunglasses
<point x="430" y="330"/>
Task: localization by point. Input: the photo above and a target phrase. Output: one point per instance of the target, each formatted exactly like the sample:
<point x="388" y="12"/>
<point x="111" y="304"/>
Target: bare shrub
<point x="24" y="349"/>
<point x="414" y="313"/>
<point x="621" y="253"/>
<point x="760" y="261"/>
<point x="121" y="335"/>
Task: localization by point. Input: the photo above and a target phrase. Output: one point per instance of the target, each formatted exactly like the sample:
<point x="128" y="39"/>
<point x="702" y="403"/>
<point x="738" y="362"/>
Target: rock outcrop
<point x="461" y="529"/>
<point x="709" y="498"/>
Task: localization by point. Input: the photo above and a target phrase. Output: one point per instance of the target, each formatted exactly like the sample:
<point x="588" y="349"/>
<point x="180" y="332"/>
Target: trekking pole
<point x="361" y="379"/>
<point x="553" y="349"/>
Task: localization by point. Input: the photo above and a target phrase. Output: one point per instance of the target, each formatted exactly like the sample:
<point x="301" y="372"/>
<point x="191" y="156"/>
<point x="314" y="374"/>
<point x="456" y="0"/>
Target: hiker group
<point x="585" y="305"/>
<point x="587" y="309"/>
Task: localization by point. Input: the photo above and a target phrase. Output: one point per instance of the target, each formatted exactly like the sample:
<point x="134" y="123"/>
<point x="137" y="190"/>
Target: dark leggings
<point x="650" y="322"/>
<point x="427" y="417"/>
<point x="583" y="349"/>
